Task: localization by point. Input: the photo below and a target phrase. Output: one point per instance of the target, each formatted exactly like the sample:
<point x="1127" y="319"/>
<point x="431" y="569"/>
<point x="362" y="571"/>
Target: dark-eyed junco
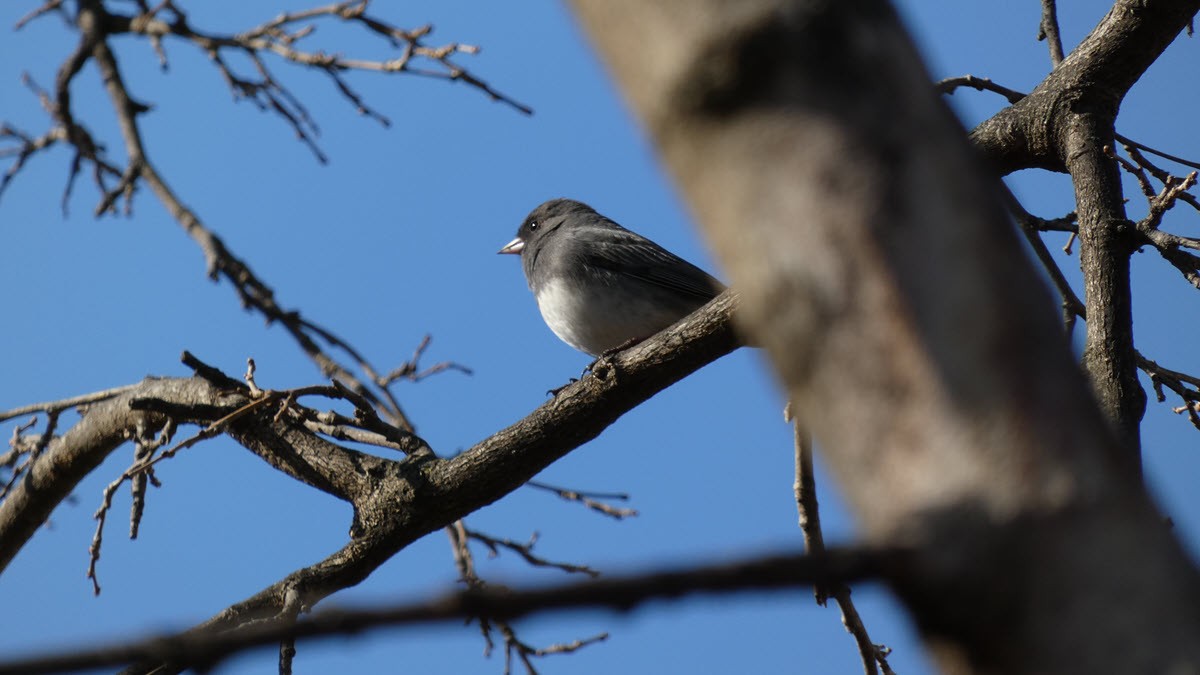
<point x="599" y="286"/>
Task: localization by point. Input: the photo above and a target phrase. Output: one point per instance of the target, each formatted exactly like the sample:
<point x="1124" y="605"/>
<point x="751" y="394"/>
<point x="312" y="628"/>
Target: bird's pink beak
<point x="514" y="246"/>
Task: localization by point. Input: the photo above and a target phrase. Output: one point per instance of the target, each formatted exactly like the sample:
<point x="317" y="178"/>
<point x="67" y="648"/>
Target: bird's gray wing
<point x="624" y="252"/>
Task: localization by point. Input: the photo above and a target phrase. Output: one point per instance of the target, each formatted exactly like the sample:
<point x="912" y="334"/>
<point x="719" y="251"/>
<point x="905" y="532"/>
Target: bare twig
<point x="1140" y="165"/>
<point x="281" y="36"/>
<point x="66" y="403"/>
<point x="1170" y="246"/>
<point x="410" y="370"/>
<point x="1072" y="306"/>
<point x="527" y="652"/>
<point x="1132" y="145"/>
<point x="1187" y="387"/>
<point x="874" y="656"/>
<point x="464" y="560"/>
<point x="590" y="499"/>
<point x="44" y="9"/>
<point x="30" y="449"/>
<point x="1048" y="31"/>
<point x="950" y="84"/>
<point x="278" y="37"/>
<point x="144" y="463"/>
<point x="25" y="147"/>
<point x="525" y="550"/>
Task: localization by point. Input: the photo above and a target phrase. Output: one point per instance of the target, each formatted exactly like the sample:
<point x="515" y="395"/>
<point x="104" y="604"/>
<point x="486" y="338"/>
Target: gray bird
<point x="599" y="286"/>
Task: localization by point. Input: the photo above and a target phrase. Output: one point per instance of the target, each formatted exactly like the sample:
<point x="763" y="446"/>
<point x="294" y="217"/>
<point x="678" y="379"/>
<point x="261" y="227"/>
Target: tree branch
<point x="1098" y="72"/>
<point x="396" y="501"/>
<point x="1066" y="124"/>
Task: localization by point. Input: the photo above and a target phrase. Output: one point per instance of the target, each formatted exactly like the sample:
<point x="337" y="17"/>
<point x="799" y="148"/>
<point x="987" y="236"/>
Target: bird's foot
<point x="554" y="392"/>
<point x="603" y="364"/>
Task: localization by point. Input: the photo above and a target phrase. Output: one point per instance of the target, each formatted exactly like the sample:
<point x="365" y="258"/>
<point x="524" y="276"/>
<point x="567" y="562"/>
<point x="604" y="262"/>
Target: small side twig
<point x="42" y="10"/>
<point x="66" y="403"/>
<point x="411" y="371"/>
<point x="874" y="656"/>
<point x="525" y="550"/>
<point x="590" y="499"/>
<point x="1048" y="31"/>
<point x="460" y="537"/>
<point x="950" y="84"/>
<point x="1186" y="387"/>
<point x="145" y="464"/>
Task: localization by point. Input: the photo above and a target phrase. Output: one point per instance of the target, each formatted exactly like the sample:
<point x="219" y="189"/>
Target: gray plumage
<point x="600" y="286"/>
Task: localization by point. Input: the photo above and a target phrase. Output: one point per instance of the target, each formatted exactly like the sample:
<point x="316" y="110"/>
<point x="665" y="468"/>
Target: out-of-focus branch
<point x="621" y="593"/>
<point x="65" y="404"/>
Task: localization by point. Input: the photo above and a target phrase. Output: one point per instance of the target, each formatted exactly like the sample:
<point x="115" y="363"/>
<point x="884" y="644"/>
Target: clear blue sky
<point x="396" y="238"/>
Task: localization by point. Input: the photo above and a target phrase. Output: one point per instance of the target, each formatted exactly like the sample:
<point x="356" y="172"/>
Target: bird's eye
<point x="533" y="226"/>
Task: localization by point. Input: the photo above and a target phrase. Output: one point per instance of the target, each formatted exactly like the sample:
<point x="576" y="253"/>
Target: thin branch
<point x="45" y="8"/>
<point x="1187" y="387"/>
<point x="1168" y="245"/>
<point x="1163" y="176"/>
<point x="590" y="499"/>
<point x="525" y="550"/>
<point x="1048" y="31"/>
<point x="950" y="84"/>
<point x="411" y="371"/>
<point x="1126" y="141"/>
<point x="280" y="37"/>
<point x="26" y="146"/>
<point x="30" y="449"/>
<point x="1072" y="306"/>
<point x="464" y="560"/>
<point x="146" y="462"/>
<point x="66" y="403"/>
<point x="874" y="656"/>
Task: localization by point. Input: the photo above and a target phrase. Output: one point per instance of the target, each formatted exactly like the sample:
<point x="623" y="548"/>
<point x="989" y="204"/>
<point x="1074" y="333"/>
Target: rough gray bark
<point x="881" y="275"/>
<point x="1065" y="124"/>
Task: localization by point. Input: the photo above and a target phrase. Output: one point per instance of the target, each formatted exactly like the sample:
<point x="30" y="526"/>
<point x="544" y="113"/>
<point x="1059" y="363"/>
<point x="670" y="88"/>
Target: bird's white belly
<point x="591" y="320"/>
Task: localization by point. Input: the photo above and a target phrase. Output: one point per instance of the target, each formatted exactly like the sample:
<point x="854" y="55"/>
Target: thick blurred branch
<point x="871" y="247"/>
